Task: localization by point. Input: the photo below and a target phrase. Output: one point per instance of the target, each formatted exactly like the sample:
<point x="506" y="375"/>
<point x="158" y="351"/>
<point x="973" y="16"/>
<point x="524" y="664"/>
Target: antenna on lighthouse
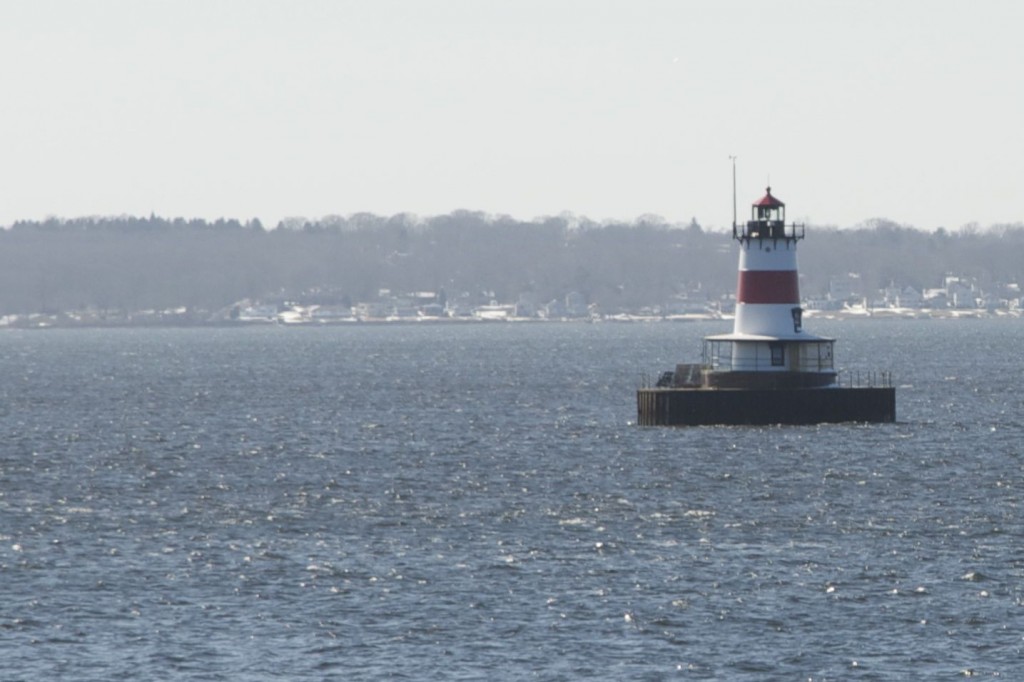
<point x="733" y="158"/>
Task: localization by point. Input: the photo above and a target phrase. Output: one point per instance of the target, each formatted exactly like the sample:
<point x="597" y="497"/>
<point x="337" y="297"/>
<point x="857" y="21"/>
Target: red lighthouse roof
<point x="768" y="201"/>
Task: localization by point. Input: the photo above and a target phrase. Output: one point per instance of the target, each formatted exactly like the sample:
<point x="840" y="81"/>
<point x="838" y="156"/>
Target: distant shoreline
<point x="41" y="322"/>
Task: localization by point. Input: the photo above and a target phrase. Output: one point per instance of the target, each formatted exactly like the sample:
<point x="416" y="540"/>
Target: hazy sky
<point x="912" y="110"/>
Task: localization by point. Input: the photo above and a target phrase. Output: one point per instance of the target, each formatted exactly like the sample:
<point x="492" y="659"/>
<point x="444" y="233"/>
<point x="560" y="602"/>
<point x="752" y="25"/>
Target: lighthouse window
<point x="778" y="354"/>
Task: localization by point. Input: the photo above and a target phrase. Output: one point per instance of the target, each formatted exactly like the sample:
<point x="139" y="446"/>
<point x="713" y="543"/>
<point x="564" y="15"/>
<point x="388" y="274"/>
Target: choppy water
<point x="474" y="502"/>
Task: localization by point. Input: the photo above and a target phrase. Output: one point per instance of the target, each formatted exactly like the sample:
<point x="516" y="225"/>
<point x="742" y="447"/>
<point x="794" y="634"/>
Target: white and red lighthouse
<point x="768" y="347"/>
<point x="768" y="370"/>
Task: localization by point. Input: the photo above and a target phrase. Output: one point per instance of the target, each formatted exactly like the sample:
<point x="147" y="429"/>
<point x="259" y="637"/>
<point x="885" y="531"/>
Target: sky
<point x="853" y="110"/>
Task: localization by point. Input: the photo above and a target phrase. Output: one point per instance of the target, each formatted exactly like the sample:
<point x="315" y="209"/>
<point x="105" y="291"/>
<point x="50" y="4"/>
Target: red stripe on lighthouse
<point x="768" y="286"/>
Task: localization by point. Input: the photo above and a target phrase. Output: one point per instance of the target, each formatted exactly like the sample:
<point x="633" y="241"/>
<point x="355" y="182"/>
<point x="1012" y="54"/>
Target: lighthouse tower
<point x="768" y="370"/>
<point x="768" y="347"/>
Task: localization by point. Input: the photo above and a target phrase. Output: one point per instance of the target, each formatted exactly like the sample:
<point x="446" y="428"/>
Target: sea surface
<point x="475" y="502"/>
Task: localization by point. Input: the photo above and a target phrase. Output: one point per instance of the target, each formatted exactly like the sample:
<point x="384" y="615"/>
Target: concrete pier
<point x="702" y="407"/>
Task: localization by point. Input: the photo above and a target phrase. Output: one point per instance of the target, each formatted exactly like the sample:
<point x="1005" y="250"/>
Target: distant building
<point x="845" y="288"/>
<point x="258" y="313"/>
<point x="432" y="310"/>
<point x="576" y="305"/>
<point x="332" y="313"/>
<point x="960" y="292"/>
<point x="907" y="297"/>
<point x="686" y="306"/>
<point x="553" y="310"/>
<point x="935" y="298"/>
<point x="526" y="306"/>
<point x="373" y="310"/>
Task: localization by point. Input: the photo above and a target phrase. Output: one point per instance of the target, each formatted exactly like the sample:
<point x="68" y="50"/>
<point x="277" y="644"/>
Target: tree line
<point x="142" y="263"/>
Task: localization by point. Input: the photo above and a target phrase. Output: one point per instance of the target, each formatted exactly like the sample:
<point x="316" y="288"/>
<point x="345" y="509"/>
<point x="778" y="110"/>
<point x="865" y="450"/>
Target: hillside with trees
<point x="130" y="263"/>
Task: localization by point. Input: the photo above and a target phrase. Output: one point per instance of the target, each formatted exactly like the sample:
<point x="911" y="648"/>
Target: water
<point x="474" y="502"/>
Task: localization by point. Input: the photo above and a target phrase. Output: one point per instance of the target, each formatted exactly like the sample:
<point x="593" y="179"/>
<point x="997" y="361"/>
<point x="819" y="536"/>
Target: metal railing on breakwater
<point x="847" y="378"/>
<point x="871" y="379"/>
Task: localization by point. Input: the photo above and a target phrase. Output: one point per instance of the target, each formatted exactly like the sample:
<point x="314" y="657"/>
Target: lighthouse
<point x="769" y="369"/>
<point x="768" y="346"/>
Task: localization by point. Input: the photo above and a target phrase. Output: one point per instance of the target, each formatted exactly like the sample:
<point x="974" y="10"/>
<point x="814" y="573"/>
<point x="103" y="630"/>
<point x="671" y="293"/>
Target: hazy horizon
<point x="610" y="110"/>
